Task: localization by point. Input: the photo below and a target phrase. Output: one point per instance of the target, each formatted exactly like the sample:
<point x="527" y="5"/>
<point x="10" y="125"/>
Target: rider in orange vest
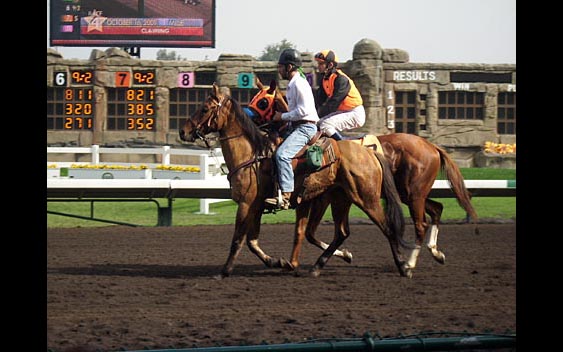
<point x="339" y="103"/>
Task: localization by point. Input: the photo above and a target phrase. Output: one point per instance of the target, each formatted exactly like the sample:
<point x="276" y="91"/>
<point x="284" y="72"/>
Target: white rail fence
<point x="210" y="165"/>
<point x="209" y="181"/>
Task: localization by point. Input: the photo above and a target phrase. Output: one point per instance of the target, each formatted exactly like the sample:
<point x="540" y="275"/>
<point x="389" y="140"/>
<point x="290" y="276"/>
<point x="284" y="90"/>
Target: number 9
<point x="245" y="80"/>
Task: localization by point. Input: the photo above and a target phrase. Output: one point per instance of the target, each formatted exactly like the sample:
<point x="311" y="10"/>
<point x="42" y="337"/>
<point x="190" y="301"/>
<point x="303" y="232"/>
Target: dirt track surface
<point x="129" y="288"/>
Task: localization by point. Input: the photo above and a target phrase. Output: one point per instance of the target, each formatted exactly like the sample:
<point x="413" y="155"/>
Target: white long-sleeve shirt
<point x="300" y="101"/>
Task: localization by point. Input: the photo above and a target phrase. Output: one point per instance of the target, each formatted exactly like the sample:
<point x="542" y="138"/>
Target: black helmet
<point x="290" y="56"/>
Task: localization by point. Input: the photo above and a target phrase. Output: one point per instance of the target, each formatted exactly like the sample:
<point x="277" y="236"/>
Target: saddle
<point x="317" y="154"/>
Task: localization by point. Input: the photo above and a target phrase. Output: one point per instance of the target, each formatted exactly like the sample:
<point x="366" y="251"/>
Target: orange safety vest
<point x="353" y="98"/>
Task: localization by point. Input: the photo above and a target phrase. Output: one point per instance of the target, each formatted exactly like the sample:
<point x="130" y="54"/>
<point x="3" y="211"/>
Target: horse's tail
<point x="393" y="210"/>
<point x="457" y="184"/>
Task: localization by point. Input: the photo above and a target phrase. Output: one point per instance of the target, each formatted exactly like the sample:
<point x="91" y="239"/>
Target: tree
<point x="162" y="54"/>
<point x="272" y="52"/>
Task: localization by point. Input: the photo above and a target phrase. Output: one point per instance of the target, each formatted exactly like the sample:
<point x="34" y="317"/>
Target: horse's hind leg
<point x="340" y="210"/>
<point x="434" y="209"/>
<point x="318" y="209"/>
<point x="416" y="210"/>
<point x="378" y="217"/>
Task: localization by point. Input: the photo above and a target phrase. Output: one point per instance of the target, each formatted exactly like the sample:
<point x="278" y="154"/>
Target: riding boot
<point x="337" y="136"/>
<point x="285" y="200"/>
<point x="280" y="202"/>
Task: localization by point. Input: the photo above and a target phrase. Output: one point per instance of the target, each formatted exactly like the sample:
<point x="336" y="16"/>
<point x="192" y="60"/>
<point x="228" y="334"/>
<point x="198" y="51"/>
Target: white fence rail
<point x="210" y="182"/>
<point x="206" y="157"/>
<point x="209" y="163"/>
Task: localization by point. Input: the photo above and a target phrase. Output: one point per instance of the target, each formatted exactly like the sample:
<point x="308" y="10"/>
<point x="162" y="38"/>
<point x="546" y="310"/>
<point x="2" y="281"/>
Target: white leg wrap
<point x="432" y="244"/>
<point x="432" y="240"/>
<point x="337" y="253"/>
<point x="413" y="255"/>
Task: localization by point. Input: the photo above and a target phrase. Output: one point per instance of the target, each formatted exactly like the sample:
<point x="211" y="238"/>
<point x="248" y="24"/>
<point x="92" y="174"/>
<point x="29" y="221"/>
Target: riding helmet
<point x="327" y="56"/>
<point x="290" y="56"/>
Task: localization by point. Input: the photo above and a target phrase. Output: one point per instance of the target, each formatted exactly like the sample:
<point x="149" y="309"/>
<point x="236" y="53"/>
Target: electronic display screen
<point x="133" y="23"/>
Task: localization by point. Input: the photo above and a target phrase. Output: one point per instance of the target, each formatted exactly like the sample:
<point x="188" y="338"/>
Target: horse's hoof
<point x="405" y="271"/>
<point x="223" y="275"/>
<point x="347" y="256"/>
<point x="314" y="273"/>
<point x="272" y="263"/>
<point x="439" y="257"/>
<point x="286" y="264"/>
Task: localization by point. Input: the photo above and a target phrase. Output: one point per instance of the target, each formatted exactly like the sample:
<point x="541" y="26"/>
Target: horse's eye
<point x="262" y="104"/>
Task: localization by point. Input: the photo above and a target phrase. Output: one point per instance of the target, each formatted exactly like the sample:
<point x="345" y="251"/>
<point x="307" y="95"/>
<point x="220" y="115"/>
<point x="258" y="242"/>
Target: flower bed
<point x="497" y="155"/>
<point x="117" y="171"/>
<point x="499" y="148"/>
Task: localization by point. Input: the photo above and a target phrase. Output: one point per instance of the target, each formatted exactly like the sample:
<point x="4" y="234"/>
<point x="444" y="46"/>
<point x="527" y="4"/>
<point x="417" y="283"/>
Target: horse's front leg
<point x="253" y="233"/>
<point x="301" y="221"/>
<point x="236" y="246"/>
<point x="245" y="228"/>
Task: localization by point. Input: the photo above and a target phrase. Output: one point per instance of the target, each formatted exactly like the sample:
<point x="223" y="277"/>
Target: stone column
<point x="366" y="69"/>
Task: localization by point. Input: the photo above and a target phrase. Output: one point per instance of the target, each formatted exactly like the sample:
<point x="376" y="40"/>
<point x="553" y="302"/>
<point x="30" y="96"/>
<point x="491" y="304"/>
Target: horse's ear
<point x="282" y="99"/>
<point x="215" y="89"/>
<point x="259" y="83"/>
<point x="272" y="86"/>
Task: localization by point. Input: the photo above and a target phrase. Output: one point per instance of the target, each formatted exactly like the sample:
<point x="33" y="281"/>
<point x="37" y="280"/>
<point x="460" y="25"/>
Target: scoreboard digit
<point x="245" y="80"/>
<point x="78" y="108"/>
<point x="131" y="104"/>
<point x="70" y="107"/>
<point x="123" y="79"/>
<point x="186" y="79"/>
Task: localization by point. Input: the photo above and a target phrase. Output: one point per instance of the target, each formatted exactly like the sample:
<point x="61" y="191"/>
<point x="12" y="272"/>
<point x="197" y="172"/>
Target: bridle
<point x="212" y="117"/>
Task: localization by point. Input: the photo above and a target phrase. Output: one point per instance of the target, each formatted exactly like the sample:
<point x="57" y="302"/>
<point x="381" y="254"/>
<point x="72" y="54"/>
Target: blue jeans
<point x="300" y="136"/>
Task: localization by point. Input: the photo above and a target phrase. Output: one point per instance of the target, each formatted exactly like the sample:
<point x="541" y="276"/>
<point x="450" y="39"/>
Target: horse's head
<point x="209" y="117"/>
<point x="265" y="103"/>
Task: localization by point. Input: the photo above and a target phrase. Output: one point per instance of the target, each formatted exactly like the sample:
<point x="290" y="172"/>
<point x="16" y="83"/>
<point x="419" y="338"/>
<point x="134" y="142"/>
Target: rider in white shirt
<point x="303" y="117"/>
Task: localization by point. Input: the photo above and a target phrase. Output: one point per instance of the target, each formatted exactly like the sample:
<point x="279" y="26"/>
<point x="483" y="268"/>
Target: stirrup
<point x="275" y="201"/>
<point x="278" y="202"/>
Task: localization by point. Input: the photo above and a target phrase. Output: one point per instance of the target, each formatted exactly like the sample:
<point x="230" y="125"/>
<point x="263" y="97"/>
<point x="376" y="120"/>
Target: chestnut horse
<point x="357" y="171"/>
<point x="415" y="163"/>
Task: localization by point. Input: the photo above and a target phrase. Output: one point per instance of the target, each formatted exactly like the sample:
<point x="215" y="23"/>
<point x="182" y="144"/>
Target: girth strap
<point x="243" y="165"/>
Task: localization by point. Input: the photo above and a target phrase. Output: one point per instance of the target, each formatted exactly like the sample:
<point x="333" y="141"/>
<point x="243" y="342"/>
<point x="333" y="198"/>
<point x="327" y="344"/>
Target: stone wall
<point x="378" y="73"/>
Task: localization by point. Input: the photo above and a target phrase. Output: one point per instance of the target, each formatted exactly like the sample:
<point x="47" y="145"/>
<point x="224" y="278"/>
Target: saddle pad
<point x="369" y="140"/>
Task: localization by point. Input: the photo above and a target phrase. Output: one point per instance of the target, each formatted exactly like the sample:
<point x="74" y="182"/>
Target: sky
<point x="437" y="31"/>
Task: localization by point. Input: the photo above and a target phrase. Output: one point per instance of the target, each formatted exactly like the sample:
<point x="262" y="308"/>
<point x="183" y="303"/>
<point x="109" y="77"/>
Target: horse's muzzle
<point x="185" y="137"/>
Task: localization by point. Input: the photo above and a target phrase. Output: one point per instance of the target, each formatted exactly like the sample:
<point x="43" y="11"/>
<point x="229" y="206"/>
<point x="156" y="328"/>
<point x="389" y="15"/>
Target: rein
<point x="200" y="135"/>
<point x="244" y="165"/>
<point x="231" y="137"/>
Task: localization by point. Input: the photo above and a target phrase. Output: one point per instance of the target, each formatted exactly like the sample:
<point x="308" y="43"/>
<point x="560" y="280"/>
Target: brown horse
<point x="415" y="163"/>
<point x="358" y="172"/>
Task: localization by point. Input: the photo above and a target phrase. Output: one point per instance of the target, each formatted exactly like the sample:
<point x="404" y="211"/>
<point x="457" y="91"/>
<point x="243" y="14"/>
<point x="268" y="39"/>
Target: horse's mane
<point x="254" y="134"/>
